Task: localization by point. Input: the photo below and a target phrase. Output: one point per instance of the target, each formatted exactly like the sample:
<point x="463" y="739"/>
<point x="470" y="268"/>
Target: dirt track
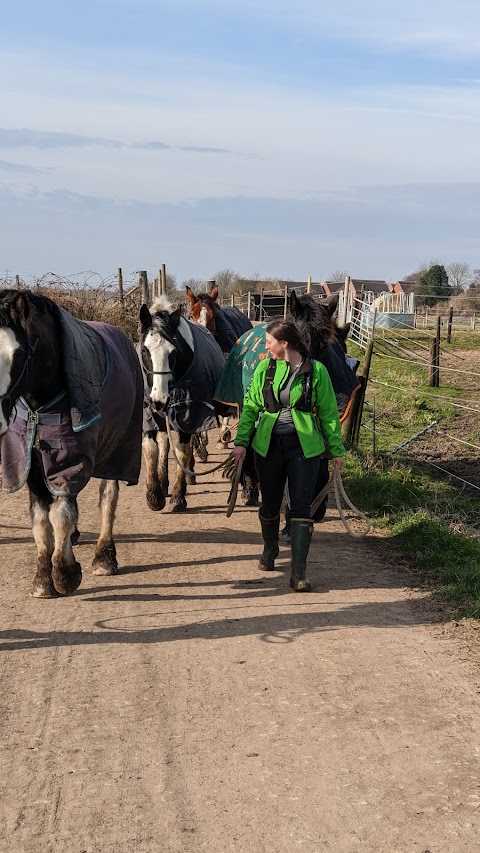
<point x="192" y="704"/>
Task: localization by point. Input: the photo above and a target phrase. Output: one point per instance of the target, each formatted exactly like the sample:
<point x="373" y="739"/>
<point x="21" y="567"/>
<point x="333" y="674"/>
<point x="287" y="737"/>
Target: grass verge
<point x="424" y="519"/>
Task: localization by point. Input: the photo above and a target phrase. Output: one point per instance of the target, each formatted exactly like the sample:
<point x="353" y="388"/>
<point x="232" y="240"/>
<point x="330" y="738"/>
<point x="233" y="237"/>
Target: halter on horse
<point x="181" y="363"/>
<point x="62" y="421"/>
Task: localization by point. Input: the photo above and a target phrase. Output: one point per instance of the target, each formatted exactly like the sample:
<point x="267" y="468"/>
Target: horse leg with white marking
<point x="105" y="560"/>
<point x="43" y="535"/>
<point x="184" y="451"/>
<point x="154" y="459"/>
<point x="225" y="432"/>
<point x="66" y="570"/>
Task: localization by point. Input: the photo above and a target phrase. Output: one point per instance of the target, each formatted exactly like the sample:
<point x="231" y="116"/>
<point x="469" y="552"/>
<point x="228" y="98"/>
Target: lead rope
<point x="339" y="489"/>
<point x="187" y="470"/>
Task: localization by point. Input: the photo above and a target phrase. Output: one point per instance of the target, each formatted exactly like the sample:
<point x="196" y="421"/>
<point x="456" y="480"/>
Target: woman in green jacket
<point x="291" y="411"/>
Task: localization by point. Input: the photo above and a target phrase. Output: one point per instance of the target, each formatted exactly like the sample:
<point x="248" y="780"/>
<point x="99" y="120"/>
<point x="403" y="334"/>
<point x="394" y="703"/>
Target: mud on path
<point x="193" y="704"/>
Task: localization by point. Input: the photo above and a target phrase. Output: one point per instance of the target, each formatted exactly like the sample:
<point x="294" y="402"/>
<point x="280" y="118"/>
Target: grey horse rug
<point x="93" y="428"/>
<point x="190" y="406"/>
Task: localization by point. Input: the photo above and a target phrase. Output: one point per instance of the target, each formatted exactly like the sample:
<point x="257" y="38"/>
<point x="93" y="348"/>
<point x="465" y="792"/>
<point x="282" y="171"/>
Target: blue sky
<point x="275" y="138"/>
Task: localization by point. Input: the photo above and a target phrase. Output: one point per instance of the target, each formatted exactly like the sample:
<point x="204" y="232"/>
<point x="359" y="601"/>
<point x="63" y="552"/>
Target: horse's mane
<point x="161" y="303"/>
<point x="43" y="304"/>
<point x="313" y="321"/>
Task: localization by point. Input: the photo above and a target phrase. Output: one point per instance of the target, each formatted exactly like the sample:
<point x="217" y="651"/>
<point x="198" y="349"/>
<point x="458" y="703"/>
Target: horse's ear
<point x="342" y="332"/>
<point x="175" y="316"/>
<point x="214" y="294"/>
<point x="331" y="303"/>
<point x="20" y="308"/>
<point x="190" y="295"/>
<point x="293" y="304"/>
<point x="145" y="317"/>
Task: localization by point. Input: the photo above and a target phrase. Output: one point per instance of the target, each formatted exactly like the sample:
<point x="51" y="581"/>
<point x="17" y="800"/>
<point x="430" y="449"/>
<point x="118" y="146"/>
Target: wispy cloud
<point x="40" y="139"/>
<point x="19" y="168"/>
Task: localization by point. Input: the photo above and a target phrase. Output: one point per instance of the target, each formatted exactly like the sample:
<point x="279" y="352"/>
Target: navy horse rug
<point x="93" y="428"/>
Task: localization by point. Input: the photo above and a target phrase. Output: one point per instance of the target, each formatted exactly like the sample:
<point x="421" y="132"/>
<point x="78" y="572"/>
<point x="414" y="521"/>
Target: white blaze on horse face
<point x="203" y="317"/>
<point x="159" y="350"/>
<point x="8" y="345"/>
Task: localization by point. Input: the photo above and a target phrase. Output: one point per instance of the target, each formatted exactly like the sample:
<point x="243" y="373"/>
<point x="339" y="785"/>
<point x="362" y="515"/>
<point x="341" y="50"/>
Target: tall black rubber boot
<point x="301" y="534"/>
<point x="270" y="529"/>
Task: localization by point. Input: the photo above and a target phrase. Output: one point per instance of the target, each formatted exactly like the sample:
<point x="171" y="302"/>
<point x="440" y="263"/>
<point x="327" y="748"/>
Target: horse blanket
<point x="190" y="406"/>
<point x="230" y="324"/>
<point x="251" y="349"/>
<point x="94" y="427"/>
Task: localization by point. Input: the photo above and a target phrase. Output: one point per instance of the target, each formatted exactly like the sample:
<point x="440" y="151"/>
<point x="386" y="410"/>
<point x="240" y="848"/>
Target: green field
<point x="425" y="517"/>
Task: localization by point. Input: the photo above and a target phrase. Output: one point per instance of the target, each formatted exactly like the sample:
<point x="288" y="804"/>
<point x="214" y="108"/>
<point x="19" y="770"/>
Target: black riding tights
<point x="285" y="460"/>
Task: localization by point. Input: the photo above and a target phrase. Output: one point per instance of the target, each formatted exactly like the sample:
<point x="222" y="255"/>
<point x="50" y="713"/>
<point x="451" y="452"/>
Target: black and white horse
<point x="71" y="408"/>
<point x="181" y="362"/>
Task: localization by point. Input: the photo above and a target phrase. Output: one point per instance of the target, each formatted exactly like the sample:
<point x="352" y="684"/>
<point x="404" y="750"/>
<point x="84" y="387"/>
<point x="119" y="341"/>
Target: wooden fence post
<point x="164" y="280"/>
<point x="261" y="305"/>
<point x="285" y="302"/>
<point x="309" y="284"/>
<point x="346" y="290"/>
<point x="474" y="318"/>
<point x="121" y="295"/>
<point x="143" y="285"/>
<point x="249" y="304"/>
<point x="17" y="281"/>
<point x="450" y="321"/>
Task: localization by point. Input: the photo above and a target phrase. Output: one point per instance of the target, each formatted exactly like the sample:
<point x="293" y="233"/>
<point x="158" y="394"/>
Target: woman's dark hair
<point x="284" y="331"/>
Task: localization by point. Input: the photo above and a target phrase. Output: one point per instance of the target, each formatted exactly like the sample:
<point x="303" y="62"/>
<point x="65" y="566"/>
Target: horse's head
<point x="203" y="308"/>
<point x="314" y="320"/>
<point x="166" y="346"/>
<point x="17" y="346"/>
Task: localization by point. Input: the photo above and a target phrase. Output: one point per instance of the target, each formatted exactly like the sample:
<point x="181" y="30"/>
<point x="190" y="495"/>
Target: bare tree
<point x="459" y="275"/>
<point x="338" y="275"/>
<point x="195" y="284"/>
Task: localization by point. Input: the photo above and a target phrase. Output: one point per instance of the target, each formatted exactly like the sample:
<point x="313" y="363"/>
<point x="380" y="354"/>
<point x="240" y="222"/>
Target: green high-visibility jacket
<point x="319" y="430"/>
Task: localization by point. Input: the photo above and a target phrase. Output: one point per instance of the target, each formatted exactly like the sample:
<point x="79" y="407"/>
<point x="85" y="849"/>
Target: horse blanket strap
<point x="190" y="405"/>
<point x="230" y="324"/>
<point x="25" y="414"/>
<point x="109" y="448"/>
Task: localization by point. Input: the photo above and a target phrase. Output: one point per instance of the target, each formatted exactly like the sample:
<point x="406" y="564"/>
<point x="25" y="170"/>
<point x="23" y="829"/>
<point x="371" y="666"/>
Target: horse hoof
<point x="285" y="538"/>
<point x="104" y="569"/>
<point x="67" y="579"/>
<point x="301" y="586"/>
<point x="191" y="480"/>
<point x="155" y="499"/>
<point x="44" y="589"/>
<point x="105" y="560"/>
<point x="75" y="536"/>
<point x="250" y="499"/>
<point x="180" y="506"/>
